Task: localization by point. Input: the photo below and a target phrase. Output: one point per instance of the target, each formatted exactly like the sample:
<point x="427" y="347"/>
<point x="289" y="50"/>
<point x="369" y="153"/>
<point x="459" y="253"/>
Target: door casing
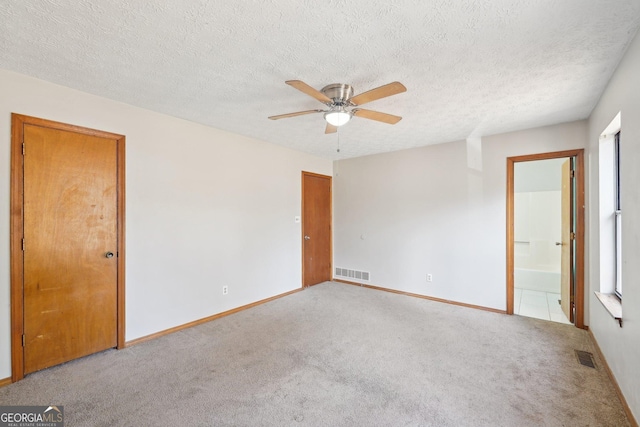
<point x="579" y="226"/>
<point x="18" y="121"/>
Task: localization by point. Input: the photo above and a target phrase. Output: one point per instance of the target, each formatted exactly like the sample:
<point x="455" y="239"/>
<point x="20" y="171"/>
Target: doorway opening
<point x="545" y="236"/>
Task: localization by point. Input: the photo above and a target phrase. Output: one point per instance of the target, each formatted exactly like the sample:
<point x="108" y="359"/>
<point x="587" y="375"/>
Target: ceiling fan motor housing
<point x="340" y="93"/>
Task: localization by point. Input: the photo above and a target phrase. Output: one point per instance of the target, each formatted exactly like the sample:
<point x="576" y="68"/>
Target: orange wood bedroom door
<point x="566" y="282"/>
<point x="316" y="229"/>
<point x="70" y="249"/>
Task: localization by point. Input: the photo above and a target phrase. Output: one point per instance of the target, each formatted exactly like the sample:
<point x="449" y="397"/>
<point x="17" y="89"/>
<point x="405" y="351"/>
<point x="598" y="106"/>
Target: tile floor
<point x="541" y="305"/>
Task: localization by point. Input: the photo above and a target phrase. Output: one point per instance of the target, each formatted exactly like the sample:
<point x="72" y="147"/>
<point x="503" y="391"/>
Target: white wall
<point x="404" y="214"/>
<point x="537" y="228"/>
<point x="621" y="346"/>
<point x="205" y="208"/>
<point x="538" y="175"/>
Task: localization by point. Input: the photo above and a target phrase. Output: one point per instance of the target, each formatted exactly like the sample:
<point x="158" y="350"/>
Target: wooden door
<point x="71" y="300"/>
<point x="316" y="229"/>
<point x="565" y="261"/>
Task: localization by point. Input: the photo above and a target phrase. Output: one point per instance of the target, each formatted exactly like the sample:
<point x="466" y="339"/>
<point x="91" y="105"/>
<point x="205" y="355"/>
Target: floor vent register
<point x="585" y="358"/>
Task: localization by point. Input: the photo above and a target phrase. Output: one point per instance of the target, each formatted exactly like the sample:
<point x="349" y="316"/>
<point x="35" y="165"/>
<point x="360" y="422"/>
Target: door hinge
<point x="23" y="149"/>
<point x="572" y="235"/>
<point x="22" y="245"/>
<point x="23" y="340"/>
<point x="573" y="174"/>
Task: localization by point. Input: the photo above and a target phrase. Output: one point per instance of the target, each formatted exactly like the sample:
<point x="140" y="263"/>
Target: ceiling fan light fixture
<point x="337" y="117"/>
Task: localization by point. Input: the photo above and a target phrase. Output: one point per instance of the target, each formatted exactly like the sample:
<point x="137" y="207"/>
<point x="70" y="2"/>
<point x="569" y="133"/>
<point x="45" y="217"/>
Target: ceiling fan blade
<point x="298" y="113"/>
<point x="379" y="92"/>
<point x="303" y="87"/>
<point x="330" y="128"/>
<point x="377" y="116"/>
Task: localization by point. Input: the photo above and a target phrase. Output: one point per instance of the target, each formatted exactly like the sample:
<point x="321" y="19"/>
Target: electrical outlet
<point x="429" y="277"/>
<point x="225" y="290"/>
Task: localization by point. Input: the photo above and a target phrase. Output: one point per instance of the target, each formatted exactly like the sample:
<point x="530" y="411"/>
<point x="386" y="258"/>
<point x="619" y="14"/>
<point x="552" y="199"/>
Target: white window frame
<point x="618" y="216"/>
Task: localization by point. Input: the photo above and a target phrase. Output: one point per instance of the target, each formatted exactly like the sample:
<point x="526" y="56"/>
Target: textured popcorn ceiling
<point x="471" y="67"/>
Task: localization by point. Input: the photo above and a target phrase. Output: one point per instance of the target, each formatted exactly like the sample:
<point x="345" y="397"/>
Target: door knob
<point x="109" y="255"/>
<point x="307" y="238"/>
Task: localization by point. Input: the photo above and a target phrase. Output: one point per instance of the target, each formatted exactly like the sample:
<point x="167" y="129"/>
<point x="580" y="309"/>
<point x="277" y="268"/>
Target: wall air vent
<point x="352" y="274"/>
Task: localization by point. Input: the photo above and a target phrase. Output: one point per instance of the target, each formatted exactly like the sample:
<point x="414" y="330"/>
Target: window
<point x="618" y="214"/>
<point x="609" y="199"/>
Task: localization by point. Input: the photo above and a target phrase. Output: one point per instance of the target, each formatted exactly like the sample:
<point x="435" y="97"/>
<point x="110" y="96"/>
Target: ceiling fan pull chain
<point x="338" y="133"/>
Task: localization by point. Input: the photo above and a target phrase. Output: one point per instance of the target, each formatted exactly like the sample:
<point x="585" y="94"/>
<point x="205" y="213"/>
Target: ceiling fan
<point x="340" y="100"/>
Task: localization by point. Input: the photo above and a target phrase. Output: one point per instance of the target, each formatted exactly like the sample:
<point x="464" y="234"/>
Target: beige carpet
<point x="338" y="355"/>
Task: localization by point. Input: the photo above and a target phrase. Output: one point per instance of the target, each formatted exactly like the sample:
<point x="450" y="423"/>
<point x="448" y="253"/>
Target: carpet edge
<point x="627" y="410"/>
<point x="446" y="301"/>
<point x="205" y="319"/>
